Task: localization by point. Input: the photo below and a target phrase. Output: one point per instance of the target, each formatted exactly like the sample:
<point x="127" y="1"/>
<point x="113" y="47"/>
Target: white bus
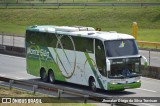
<point x="81" y="55"/>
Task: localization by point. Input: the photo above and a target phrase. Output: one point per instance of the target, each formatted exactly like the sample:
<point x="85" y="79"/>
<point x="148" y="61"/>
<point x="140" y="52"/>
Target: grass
<point x="5" y="92"/>
<point x="118" y="19"/>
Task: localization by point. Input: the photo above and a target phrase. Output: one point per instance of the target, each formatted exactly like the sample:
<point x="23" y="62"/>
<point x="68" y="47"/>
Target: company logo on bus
<point x="122" y="44"/>
<point x="41" y="52"/>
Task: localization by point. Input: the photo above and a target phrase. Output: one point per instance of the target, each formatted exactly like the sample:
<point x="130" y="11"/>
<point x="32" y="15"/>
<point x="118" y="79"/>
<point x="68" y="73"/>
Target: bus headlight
<point x="138" y="80"/>
<point x="114" y="82"/>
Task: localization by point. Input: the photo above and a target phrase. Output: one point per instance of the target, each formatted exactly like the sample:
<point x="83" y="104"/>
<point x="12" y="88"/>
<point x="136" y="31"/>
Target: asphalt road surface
<point x="14" y="67"/>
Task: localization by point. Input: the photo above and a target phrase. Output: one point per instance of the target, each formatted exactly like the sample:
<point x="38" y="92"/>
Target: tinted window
<point x="100" y="57"/>
<point x="83" y="44"/>
<point x="65" y="41"/>
<point x="41" y="38"/>
<point x="121" y="48"/>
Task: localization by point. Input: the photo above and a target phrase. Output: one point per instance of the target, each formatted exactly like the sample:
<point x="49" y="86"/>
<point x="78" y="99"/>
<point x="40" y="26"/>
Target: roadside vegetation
<point x="5" y="92"/>
<point x="118" y="19"/>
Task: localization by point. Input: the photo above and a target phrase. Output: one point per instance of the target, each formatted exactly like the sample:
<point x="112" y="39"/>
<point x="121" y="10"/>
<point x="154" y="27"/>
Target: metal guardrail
<point x="146" y="43"/>
<point x="78" y="4"/>
<point x="56" y="88"/>
<point x="43" y="86"/>
<point x="11" y="40"/>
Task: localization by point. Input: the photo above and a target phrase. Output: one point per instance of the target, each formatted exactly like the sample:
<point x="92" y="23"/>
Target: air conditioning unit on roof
<point x="74" y="28"/>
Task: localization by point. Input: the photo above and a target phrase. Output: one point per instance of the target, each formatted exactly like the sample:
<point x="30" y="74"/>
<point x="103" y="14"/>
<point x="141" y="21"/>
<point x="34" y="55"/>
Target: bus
<point x="83" y="56"/>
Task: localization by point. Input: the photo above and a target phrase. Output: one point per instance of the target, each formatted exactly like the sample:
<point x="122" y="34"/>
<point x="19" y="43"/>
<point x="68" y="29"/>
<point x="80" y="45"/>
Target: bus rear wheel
<point x="51" y="77"/>
<point x="43" y="75"/>
<point x="92" y="84"/>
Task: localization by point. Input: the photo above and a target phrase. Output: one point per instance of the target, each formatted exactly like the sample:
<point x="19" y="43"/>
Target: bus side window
<point x="83" y="44"/>
<point x="100" y="57"/>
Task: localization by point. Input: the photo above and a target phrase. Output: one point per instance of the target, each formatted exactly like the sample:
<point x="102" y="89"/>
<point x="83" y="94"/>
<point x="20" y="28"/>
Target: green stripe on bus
<point x="56" y="68"/>
<point x="94" y="70"/>
<point x="59" y="59"/>
<point x="67" y="57"/>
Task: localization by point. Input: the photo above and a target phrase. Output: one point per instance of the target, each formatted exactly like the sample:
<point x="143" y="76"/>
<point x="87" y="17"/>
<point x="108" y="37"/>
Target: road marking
<point x="147" y="104"/>
<point x="18" y="78"/>
<point x="146" y="90"/>
<point x="2" y="75"/>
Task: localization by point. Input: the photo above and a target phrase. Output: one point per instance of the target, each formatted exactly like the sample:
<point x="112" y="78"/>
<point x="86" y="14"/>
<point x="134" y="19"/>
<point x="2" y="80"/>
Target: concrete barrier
<point x="10" y="50"/>
<point x="151" y="72"/>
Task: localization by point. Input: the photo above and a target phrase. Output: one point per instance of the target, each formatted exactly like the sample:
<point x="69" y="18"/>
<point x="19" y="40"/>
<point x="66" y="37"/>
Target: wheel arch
<point x="41" y="69"/>
<point x="90" y="78"/>
<point x="50" y="69"/>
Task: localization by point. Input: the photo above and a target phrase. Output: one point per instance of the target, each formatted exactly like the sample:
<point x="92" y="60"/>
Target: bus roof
<point x="88" y="32"/>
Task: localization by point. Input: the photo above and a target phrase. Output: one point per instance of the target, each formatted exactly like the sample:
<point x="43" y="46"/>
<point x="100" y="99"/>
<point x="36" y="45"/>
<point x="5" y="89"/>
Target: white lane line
<point x="147" y="104"/>
<point x="146" y="90"/>
<point x="2" y="75"/>
<point x="19" y="78"/>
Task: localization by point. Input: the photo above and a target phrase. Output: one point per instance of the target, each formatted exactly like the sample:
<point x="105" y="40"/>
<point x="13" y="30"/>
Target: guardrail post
<point x="149" y="56"/>
<point x="2" y="38"/>
<point x="59" y="93"/>
<point x="58" y="4"/>
<point x="84" y="5"/>
<point x="13" y="40"/>
<point x="85" y="98"/>
<point x="6" y="5"/>
<point x="112" y="104"/>
<point x="34" y="88"/>
<point x="10" y="84"/>
<point x="32" y="5"/>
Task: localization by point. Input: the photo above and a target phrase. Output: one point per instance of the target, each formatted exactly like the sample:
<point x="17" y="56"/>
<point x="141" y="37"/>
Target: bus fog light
<point x="113" y="82"/>
<point x="138" y="80"/>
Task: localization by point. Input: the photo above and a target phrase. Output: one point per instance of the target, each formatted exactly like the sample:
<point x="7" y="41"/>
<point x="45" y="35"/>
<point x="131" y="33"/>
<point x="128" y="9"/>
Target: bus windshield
<point x="124" y="68"/>
<point x="125" y="47"/>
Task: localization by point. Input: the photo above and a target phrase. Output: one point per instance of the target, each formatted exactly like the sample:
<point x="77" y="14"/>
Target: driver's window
<point x="100" y="57"/>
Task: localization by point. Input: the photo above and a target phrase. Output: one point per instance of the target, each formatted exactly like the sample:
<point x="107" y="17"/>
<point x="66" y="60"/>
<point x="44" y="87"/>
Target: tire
<point x="43" y="75"/>
<point x="92" y="85"/>
<point x="51" y="77"/>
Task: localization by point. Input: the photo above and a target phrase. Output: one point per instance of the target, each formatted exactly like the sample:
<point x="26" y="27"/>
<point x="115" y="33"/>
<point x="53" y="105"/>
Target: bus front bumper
<point x="123" y="86"/>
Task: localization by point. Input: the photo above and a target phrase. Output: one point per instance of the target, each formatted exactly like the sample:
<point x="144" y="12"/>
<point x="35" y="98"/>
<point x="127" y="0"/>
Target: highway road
<point x="14" y="67"/>
<point x="19" y="42"/>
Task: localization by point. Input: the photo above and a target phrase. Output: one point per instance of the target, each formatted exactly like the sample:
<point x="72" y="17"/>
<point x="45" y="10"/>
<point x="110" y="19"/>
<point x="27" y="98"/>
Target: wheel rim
<point x="93" y="85"/>
<point x="43" y="75"/>
<point x="51" y="77"/>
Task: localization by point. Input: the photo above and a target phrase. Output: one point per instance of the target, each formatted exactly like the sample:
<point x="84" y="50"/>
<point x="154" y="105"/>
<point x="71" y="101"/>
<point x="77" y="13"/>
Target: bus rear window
<point x="125" y="47"/>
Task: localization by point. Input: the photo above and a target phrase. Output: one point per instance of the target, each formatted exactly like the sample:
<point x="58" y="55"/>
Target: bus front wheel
<point x="51" y="77"/>
<point x="92" y="84"/>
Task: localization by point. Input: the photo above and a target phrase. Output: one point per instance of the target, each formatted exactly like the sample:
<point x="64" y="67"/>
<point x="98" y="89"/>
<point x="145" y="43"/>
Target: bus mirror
<point x="145" y="61"/>
<point x="108" y="65"/>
